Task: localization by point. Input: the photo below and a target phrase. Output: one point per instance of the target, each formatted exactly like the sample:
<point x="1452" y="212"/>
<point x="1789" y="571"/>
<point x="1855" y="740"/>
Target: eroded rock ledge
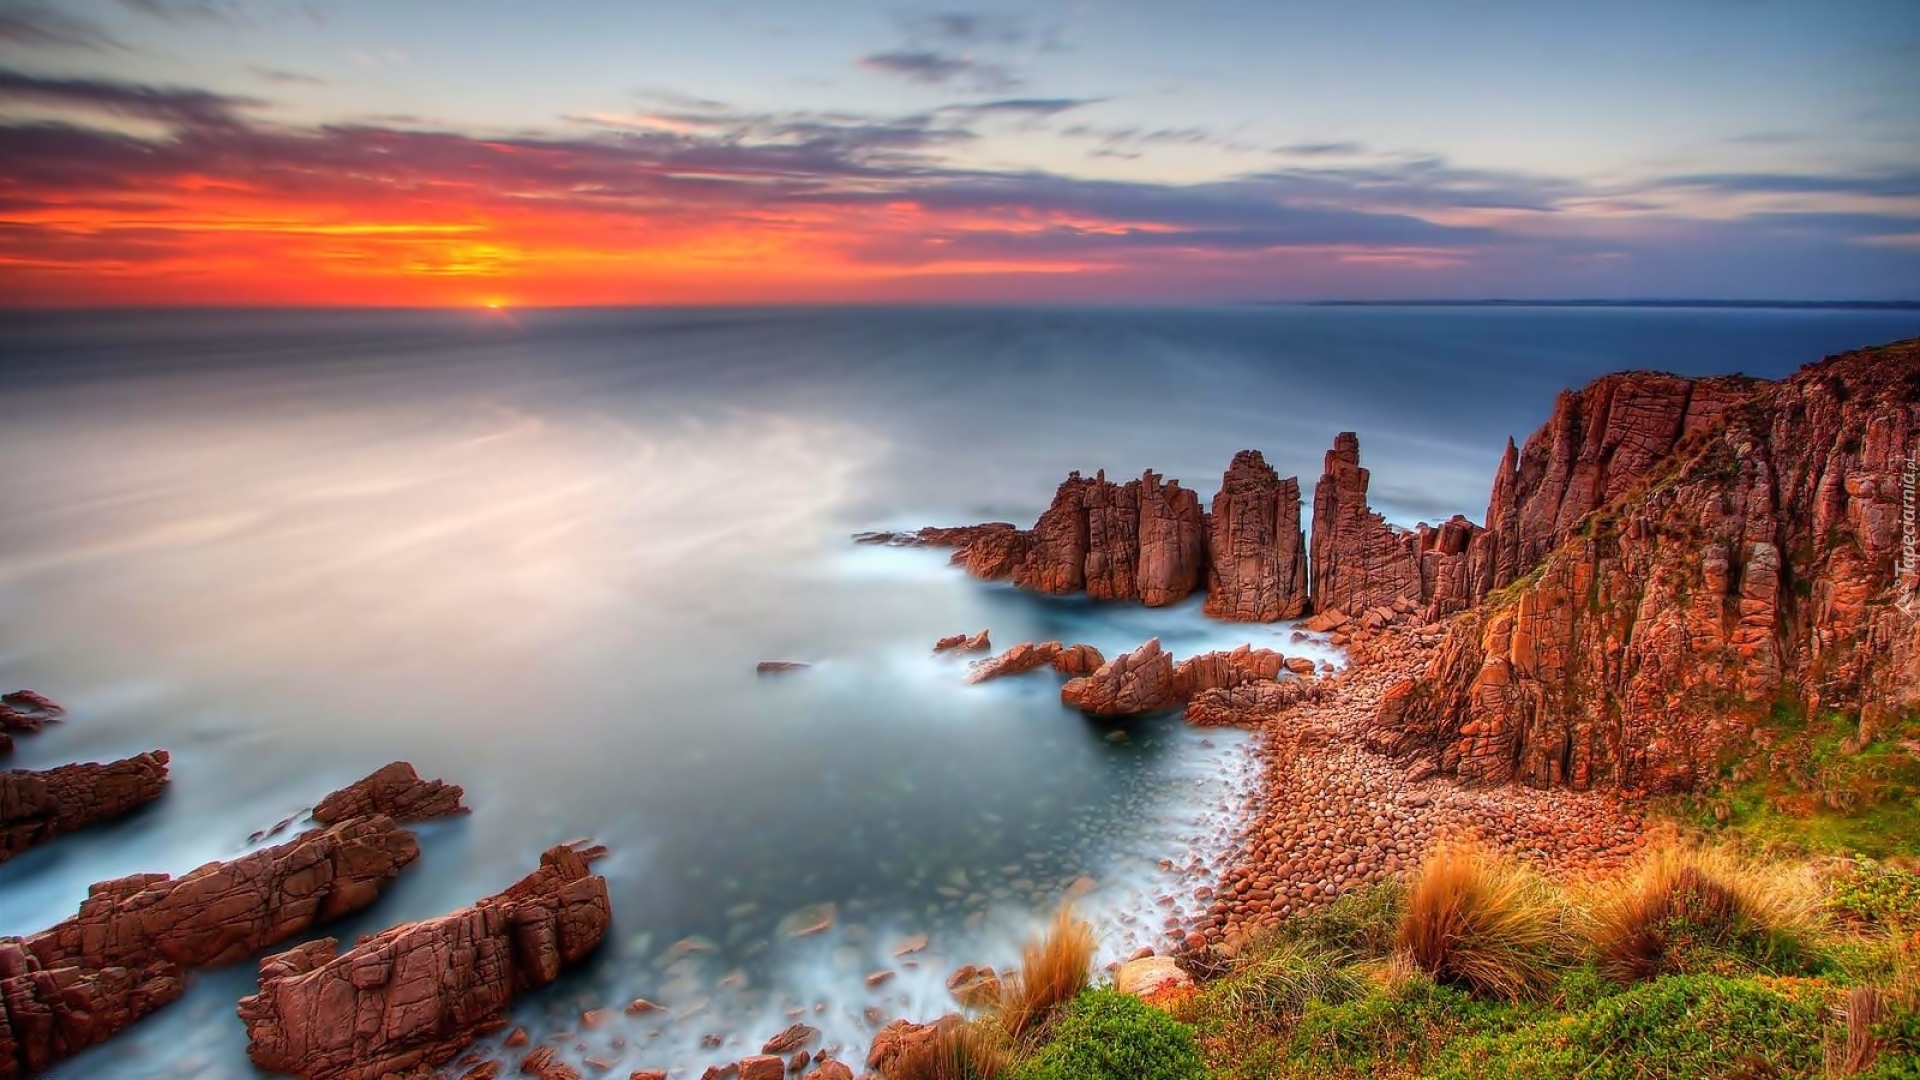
<point x="37" y="806"/>
<point x="416" y="995"/>
<point x="126" y="953"/>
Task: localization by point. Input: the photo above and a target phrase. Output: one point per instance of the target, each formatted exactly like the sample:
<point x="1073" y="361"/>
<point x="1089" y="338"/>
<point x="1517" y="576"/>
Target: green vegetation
<point x="1107" y="1035"/>
<point x="1698" y="963"/>
<point x="1683" y="1026"/>
<point x="1820" y="784"/>
<point x="1875" y="894"/>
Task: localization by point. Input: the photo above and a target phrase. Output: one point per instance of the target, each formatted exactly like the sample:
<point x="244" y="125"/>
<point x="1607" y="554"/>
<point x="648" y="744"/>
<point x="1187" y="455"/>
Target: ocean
<point x="539" y="554"/>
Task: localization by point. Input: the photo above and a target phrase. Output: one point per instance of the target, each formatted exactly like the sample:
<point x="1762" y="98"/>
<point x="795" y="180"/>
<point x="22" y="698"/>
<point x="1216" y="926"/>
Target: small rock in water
<point x="778" y="667"/>
<point x="914" y="944"/>
<point x="809" y="920"/>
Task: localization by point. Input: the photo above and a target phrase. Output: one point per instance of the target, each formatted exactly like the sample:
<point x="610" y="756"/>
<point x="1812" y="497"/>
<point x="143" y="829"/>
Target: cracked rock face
<point x="1257" y="555"/>
<point x="1137" y="682"/>
<point x="126" y="952"/>
<point x="1708" y="547"/>
<point x="417" y="994"/>
<point x="37" y="806"/>
<point x="394" y="790"/>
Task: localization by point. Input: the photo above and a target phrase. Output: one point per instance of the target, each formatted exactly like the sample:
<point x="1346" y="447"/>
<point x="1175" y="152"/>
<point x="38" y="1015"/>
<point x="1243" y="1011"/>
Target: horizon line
<point x="500" y="307"/>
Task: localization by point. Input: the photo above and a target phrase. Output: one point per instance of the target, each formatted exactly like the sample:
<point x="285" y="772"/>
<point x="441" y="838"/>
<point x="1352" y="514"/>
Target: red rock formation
<point x="1359" y="561"/>
<point x="1220" y="670"/>
<point x="419" y="993"/>
<point x="1078" y="659"/>
<point x="127" y="950"/>
<point x="1143" y="540"/>
<point x="1744" y="548"/>
<point x="1600" y="443"/>
<point x="1018" y="660"/>
<point x="1173" y="541"/>
<point x="1056" y="561"/>
<point x="1112" y="561"/>
<point x="990" y="552"/>
<point x="125" y="953"/>
<point x="1137" y="682"/>
<point x="37" y="806"/>
<point x="394" y="790"/>
<point x="962" y="643"/>
<point x="1257" y="557"/>
<point x="1246" y="705"/>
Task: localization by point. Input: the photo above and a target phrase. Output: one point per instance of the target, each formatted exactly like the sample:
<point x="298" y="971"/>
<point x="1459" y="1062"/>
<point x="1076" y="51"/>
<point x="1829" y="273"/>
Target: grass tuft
<point x="1481" y="922"/>
<point x="1275" y="986"/>
<point x="958" y="1051"/>
<point x="1054" y="969"/>
<point x="1692" y="909"/>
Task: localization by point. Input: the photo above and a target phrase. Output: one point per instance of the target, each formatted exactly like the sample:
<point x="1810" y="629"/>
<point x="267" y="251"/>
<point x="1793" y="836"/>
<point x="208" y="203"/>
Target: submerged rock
<point x="780" y="667"/>
<point x="417" y="994"/>
<point x="25" y="711"/>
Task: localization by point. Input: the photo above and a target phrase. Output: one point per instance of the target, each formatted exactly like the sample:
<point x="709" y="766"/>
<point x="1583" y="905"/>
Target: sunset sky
<point x="777" y="151"/>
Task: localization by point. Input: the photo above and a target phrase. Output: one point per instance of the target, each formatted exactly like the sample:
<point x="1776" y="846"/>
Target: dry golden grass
<point x="1682" y="903"/>
<point x="1053" y="971"/>
<point x="1477" y="920"/>
<point x="959" y="1051"/>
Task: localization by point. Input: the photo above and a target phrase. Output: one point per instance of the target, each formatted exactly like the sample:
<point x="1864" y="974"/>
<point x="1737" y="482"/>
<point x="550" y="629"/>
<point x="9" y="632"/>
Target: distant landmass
<point x="1849" y="305"/>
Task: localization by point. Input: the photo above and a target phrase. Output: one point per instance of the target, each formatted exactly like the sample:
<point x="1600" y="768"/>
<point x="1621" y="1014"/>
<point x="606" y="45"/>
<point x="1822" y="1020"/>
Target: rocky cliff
<point x="1669" y="558"/>
<point x="1149" y="540"/>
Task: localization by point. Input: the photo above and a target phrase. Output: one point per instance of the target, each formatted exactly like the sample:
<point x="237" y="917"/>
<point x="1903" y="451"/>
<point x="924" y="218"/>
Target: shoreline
<point x="1332" y="815"/>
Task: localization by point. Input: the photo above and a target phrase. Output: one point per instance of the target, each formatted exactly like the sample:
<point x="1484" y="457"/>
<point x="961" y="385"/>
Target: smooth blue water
<point x="539" y="554"/>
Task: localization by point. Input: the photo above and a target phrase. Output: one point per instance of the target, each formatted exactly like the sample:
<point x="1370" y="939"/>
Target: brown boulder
<point x="901" y="1038"/>
<point x="974" y="987"/>
<point x="417" y="994"/>
<point x="37" y="806"/>
<point x="793" y="1038"/>
<point x="394" y="790"/>
<point x="763" y="1067"/>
